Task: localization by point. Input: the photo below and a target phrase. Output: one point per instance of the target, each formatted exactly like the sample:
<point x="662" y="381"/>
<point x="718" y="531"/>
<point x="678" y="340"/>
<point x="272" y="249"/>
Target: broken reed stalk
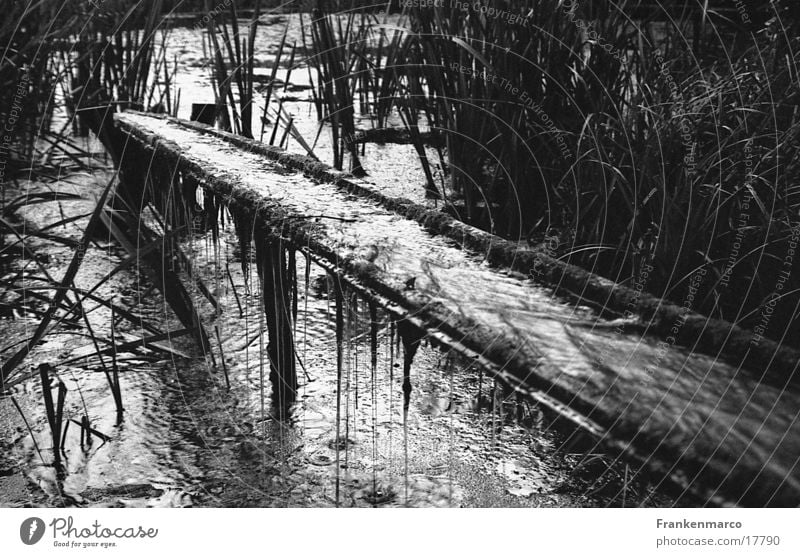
<point x="271" y="82"/>
<point x="116" y="389"/>
<point x="234" y="289"/>
<point x="222" y="357"/>
<point x="87" y="431"/>
<point x="62" y="395"/>
<point x="286" y="132"/>
<point x="64" y="435"/>
<point x="86" y="435"/>
<point x="54" y="414"/>
<point x="277" y="123"/>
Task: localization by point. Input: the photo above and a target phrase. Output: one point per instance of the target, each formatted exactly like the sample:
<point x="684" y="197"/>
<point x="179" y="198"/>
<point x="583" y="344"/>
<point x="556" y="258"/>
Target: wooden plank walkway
<point x="725" y="434"/>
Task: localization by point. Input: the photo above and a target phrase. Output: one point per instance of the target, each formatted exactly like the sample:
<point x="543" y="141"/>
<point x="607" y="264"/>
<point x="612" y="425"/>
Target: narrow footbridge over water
<point x="693" y="399"/>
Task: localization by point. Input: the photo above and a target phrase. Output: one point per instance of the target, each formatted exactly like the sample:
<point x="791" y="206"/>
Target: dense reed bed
<point x="655" y="145"/>
<point x="29" y="74"/>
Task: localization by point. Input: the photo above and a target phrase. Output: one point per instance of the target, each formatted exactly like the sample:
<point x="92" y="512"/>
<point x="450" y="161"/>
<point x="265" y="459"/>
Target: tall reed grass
<point x="650" y="143"/>
<point x="337" y="42"/>
<point x="101" y="58"/>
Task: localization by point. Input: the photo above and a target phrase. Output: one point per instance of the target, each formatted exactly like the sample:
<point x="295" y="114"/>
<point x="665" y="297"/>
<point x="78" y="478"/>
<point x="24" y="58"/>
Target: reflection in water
<point x="188" y="440"/>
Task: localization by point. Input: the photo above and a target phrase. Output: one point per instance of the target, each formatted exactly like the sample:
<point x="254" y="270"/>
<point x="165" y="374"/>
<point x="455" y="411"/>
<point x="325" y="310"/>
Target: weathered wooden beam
<point x="657" y="316"/>
<point x="723" y="433"/>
